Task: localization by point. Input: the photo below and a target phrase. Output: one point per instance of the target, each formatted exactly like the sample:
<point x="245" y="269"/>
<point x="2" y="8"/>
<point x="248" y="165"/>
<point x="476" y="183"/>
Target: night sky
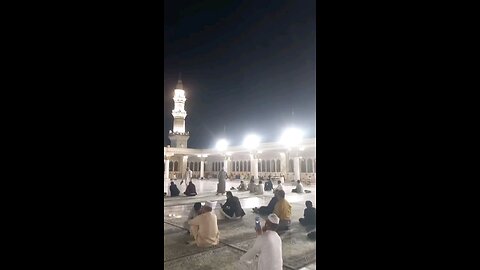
<point x="246" y="66"/>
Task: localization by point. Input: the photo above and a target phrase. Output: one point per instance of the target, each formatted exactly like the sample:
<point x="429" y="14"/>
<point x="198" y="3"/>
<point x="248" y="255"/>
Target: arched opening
<point x="170" y="166"/>
<point x="175" y="166"/>
<point x="244" y="165"/>
<point x="241" y="166"/>
<point x="290" y="165"/>
<point x="195" y="166"/>
<point x="249" y="169"/>
<point x="309" y="166"/>
<point x="278" y="165"/>
<point x="303" y="166"/>
<point x="263" y="165"/>
<point x="268" y="165"/>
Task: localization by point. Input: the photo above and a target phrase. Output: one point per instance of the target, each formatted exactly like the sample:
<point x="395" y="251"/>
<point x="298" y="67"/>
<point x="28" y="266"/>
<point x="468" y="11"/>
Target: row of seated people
<point x="202" y="221"/>
<point x="282" y="208"/>
<point x="174" y="191"/>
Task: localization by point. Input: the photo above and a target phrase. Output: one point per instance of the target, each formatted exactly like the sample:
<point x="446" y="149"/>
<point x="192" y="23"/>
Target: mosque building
<point x="293" y="161"/>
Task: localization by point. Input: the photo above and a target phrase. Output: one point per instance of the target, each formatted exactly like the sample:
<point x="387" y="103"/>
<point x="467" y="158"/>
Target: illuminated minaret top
<point x="179" y="136"/>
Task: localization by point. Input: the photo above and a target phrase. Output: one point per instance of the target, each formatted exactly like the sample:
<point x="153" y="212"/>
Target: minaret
<point x="178" y="138"/>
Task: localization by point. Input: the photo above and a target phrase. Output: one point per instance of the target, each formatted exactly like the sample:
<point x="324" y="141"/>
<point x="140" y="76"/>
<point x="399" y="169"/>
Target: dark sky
<point x="245" y="65"/>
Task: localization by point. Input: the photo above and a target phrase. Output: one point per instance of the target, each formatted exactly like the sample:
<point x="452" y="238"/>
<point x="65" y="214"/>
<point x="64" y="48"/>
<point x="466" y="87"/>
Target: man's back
<point x="271" y="251"/>
<point x="283" y="209"/>
<point x="208" y="233"/>
<point x="269" y="248"/>
<point x="299" y="188"/>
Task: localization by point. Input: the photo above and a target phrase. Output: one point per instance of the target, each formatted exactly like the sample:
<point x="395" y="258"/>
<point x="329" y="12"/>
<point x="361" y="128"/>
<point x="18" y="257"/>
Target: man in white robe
<point x="266" y="253"/>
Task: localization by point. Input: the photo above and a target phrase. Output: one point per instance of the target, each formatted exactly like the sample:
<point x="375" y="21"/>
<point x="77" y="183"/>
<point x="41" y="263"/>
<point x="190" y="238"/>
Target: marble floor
<point x="236" y="236"/>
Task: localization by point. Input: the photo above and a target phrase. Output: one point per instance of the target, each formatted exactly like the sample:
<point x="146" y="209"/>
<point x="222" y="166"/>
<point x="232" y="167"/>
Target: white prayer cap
<point x="273" y="219"/>
<point x="211" y="204"/>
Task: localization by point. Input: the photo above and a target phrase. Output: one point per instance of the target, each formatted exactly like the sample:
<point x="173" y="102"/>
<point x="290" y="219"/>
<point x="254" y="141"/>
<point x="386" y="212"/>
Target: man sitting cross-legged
<point x="232" y="207"/>
<point x="283" y="210"/>
<point x="309" y="215"/>
<point x="266" y="210"/>
<point x="204" y="227"/>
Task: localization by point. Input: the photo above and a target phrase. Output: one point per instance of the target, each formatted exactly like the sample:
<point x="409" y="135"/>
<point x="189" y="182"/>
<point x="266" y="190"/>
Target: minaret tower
<point x="179" y="137"/>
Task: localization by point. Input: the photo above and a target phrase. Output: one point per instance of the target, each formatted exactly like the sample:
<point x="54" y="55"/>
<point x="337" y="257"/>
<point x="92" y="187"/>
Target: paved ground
<point x="236" y="236"/>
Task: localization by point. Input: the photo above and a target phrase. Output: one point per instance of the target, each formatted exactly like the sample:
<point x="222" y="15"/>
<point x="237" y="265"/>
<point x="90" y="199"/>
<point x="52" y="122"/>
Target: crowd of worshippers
<point x="266" y="252"/>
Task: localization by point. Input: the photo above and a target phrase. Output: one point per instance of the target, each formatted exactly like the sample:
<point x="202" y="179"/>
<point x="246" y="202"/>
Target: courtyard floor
<point x="236" y="236"/>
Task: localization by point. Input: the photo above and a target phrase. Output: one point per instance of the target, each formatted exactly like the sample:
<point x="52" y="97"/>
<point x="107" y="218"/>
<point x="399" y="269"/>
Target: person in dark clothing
<point x="309" y="215"/>
<point x="174" y="191"/>
<point x="190" y="191"/>
<point x="268" y="185"/>
<point x="232" y="207"/>
<point x="266" y="210"/>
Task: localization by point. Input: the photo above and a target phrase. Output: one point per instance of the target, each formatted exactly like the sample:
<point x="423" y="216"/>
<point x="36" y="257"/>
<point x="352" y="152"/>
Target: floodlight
<point x="291" y="137"/>
<point x="222" y="144"/>
<point x="251" y="142"/>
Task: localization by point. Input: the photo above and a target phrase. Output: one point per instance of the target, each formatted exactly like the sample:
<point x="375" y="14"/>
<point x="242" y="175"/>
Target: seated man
<point x="299" y="188"/>
<point x="309" y="215"/>
<point x="195" y="211"/>
<point x="279" y="187"/>
<point x="283" y="210"/>
<point x="259" y="189"/>
<point x="268" y="185"/>
<point x="232" y="207"/>
<point x="190" y="191"/>
<point x="266" y="210"/>
<point x="204" y="227"/>
<point x="252" y="186"/>
<point x="174" y="191"/>
<point x="242" y="186"/>
<point x="266" y="252"/>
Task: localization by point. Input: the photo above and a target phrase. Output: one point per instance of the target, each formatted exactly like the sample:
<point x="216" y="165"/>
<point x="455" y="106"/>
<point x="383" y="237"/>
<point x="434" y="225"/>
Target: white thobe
<point x="299" y="188"/>
<point x="268" y="247"/>
<point x="205" y="229"/>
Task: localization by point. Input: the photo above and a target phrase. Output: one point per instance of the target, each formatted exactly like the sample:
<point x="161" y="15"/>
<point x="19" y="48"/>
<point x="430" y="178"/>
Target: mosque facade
<point x="269" y="159"/>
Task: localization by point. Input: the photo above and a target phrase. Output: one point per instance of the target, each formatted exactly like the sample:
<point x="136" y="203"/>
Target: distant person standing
<point x="221" y="182"/>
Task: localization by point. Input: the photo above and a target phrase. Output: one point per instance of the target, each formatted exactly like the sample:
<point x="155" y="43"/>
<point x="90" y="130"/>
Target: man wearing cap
<point x="283" y="210"/>
<point x="266" y="253"/>
<point x="204" y="227"/>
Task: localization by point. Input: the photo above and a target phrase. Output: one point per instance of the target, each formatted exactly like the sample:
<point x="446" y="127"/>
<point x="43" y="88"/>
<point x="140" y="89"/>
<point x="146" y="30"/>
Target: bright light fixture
<point x="291" y="137"/>
<point x="222" y="144"/>
<point x="251" y="142"/>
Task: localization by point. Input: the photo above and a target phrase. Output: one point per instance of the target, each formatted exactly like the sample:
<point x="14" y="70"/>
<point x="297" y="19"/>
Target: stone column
<point x="184" y="166"/>
<point x="255" y="167"/>
<point x="225" y="164"/>
<point x="202" y="164"/>
<point x="166" y="175"/>
<point x="296" y="168"/>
